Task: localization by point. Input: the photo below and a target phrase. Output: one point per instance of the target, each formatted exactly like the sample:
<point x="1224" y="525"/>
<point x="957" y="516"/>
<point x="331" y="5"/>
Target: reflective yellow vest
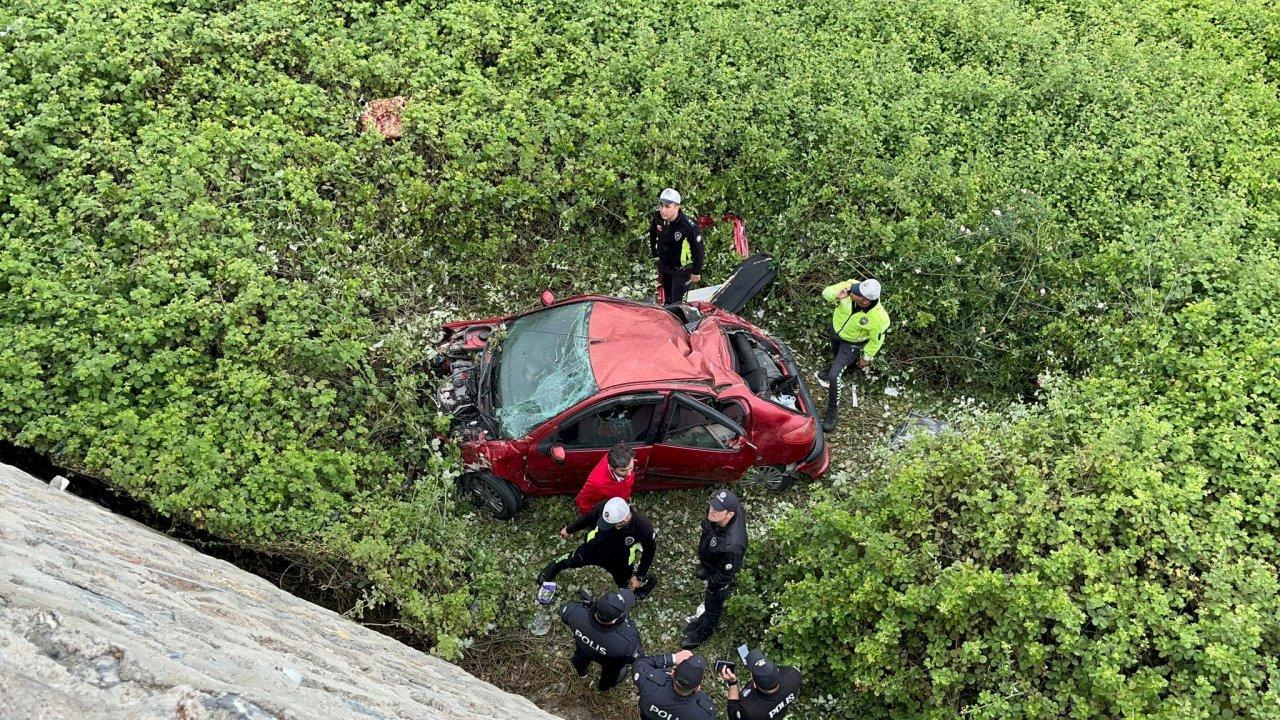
<point x="854" y="324"/>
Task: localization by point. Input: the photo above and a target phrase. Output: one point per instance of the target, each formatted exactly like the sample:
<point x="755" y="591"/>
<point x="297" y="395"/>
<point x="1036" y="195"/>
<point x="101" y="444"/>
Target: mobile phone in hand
<point x="721" y="665"/>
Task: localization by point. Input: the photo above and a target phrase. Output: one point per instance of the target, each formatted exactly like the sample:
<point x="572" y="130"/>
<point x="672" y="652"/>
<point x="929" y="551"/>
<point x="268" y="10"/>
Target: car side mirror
<point x="557" y="453"/>
<point x="547" y="298"/>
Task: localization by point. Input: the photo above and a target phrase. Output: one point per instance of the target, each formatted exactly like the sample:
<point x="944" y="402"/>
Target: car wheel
<point x="491" y="494"/>
<point x="770" y="477"/>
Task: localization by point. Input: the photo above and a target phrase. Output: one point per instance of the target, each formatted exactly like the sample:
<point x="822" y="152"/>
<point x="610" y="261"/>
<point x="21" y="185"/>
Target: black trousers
<point x="584" y="556"/>
<point x="843" y="354"/>
<point x="674" y="285"/>
<point x="621" y="573"/>
<point x="701" y="627"/>
<point x="610" y="668"/>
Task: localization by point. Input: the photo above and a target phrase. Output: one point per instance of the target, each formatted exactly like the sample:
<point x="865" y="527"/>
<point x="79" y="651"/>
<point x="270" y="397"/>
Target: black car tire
<point x="769" y="477"/>
<point x="491" y="494"/>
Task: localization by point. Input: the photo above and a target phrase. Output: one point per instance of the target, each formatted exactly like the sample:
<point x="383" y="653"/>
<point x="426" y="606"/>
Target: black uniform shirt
<point x="666" y="239"/>
<point x="721" y="549"/>
<point x="658" y="697"/>
<point x="755" y="705"/>
<point x="615" y="642"/>
<point x="615" y="544"/>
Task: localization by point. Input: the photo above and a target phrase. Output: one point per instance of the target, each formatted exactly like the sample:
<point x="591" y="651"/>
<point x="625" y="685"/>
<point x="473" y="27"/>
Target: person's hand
<point x="681" y="656"/>
<point x="727" y="675"/>
<point x="863" y="362"/>
<point x="635" y="583"/>
<point x="695" y="278"/>
<point x="842" y="294"/>
<point x="564" y="533"/>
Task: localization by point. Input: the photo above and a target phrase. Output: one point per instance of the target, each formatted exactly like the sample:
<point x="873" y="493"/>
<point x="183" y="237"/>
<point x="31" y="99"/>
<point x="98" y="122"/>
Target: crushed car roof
<point x="633" y="343"/>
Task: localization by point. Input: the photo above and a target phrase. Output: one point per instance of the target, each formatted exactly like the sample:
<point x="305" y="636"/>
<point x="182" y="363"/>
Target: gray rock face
<point x="101" y="617"/>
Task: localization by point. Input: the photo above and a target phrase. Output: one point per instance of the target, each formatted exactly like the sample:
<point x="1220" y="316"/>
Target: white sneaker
<point x="821" y="379"/>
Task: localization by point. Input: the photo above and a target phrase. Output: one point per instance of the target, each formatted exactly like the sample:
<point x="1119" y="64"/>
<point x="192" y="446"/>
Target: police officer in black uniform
<point x="676" y="242"/>
<point x="721" y="550"/>
<point x="619" y="539"/>
<point x="603" y="633"/>
<point x="769" y="695"/>
<point x="670" y="687"/>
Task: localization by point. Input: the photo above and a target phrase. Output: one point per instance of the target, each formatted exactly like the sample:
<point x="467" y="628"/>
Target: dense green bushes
<point x="219" y="295"/>
<point x="1113" y="554"/>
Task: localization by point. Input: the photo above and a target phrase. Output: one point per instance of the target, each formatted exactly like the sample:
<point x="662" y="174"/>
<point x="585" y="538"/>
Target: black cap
<point x="762" y="670"/>
<point x="689" y="673"/>
<point x="724" y="500"/>
<point x="611" y="605"/>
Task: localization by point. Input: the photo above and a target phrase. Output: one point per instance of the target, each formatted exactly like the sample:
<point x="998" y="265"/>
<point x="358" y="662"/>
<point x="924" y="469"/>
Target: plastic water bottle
<point x="546" y="593"/>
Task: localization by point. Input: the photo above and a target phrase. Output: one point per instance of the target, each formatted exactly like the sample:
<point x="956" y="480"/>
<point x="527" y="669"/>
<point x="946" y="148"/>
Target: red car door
<point x="697" y="445"/>
<point x="587" y="435"/>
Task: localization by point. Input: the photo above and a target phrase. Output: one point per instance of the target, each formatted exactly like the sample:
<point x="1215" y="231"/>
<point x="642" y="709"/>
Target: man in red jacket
<point x="612" y="477"/>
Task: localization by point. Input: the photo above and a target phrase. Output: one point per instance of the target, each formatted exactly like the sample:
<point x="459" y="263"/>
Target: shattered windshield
<point x="544" y="368"/>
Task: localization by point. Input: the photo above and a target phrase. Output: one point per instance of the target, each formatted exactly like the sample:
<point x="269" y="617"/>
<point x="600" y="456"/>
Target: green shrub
<point x="1113" y="554"/>
<point x="218" y="294"/>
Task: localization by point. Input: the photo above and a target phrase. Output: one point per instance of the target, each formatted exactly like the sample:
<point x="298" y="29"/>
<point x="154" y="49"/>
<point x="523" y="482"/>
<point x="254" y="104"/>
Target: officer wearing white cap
<point x="857" y="332"/>
<point x="619" y="539"/>
<point x="769" y="695"/>
<point x="676" y="242"/>
<point x="721" y="550"/>
<point x="603" y="633"/>
<point x="670" y="687"/>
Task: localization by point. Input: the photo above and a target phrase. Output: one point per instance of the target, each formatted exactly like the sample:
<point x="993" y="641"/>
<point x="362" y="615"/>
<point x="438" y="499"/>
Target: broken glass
<point x="544" y="368"/>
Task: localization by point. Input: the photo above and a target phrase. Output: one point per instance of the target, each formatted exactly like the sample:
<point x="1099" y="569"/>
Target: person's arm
<point x="653" y="238"/>
<point x="831" y="292"/>
<point x="877" y="340"/>
<point x="591" y="493"/>
<point x="725" y="568"/>
<point x="640" y="667"/>
<point x="637" y="645"/>
<point x="586" y="521"/>
<point x="733" y="709"/>
<point x="648" y="548"/>
<point x="697" y="251"/>
<point x="586" y="498"/>
<point x="791" y="680"/>
<point x="657" y="662"/>
<point x="731" y="681"/>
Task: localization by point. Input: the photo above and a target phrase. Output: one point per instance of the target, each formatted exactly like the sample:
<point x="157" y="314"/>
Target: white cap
<point x="669" y="196"/>
<point x="869" y="289"/>
<point x="616" y="511"/>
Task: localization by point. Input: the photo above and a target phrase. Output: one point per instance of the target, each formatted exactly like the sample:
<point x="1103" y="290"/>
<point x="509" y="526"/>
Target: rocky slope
<point x="101" y="617"/>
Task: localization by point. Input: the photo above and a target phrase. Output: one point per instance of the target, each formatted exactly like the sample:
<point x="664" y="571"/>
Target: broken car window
<point x="690" y="428"/>
<point x="623" y="422"/>
<point x="544" y="368"/>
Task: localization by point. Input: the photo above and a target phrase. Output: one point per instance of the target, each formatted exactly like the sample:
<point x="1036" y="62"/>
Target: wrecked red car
<point x="701" y="395"/>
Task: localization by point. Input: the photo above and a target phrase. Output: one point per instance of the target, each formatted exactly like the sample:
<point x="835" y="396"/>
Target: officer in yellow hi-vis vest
<point x="619" y="539"/>
<point x="857" y="332"/>
<point x="676" y="242"/>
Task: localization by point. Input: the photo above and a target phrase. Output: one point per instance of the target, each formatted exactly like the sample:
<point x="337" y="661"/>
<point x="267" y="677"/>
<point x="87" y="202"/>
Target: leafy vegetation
<point x="217" y="293"/>
<point x="1112" y="553"/>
